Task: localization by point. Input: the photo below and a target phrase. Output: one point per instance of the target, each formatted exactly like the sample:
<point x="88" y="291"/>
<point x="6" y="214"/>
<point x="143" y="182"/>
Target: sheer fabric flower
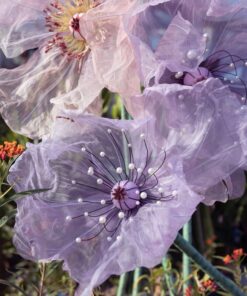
<point x="81" y="47"/>
<point x="116" y="199"/>
<point x="198" y="76"/>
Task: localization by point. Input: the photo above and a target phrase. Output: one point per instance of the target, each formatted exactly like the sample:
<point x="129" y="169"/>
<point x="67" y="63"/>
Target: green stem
<point x="224" y="282"/>
<point x="137" y="274"/>
<point x="167" y="277"/>
<point x="122" y="284"/>
<point x="187" y="235"/>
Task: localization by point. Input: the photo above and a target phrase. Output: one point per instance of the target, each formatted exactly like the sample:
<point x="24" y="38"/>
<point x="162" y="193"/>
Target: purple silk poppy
<point x="181" y="42"/>
<point x="197" y="81"/>
<point x="116" y="199"/>
<point x="78" y="48"/>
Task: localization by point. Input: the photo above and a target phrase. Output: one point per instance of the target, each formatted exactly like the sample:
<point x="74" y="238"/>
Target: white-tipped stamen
<point x="102" y="219"/>
<point x="90" y="171"/>
<point x="131" y="166"/>
<point x="161" y="190"/>
<point x="191" y="54"/>
<point x="179" y="75"/>
<point x="102" y="154"/>
<point x="121" y="215"/>
<point x="78" y="240"/>
<point x="119" y="170"/>
<point x="99" y="181"/>
<point x="143" y="195"/>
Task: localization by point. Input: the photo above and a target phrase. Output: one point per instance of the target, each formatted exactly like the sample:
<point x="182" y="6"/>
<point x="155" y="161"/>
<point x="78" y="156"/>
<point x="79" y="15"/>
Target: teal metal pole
<point x="224" y="282"/>
<point x="122" y="284"/>
<point x="187" y="235"/>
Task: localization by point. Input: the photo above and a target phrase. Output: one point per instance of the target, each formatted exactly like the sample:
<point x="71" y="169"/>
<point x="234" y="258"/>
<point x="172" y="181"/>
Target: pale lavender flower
<point x="81" y="47"/>
<point x="117" y="199"/>
<point x="194" y="68"/>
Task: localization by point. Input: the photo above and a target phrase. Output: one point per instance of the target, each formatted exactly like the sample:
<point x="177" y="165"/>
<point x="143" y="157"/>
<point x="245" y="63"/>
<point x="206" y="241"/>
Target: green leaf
<point x="3" y="282"/>
<point x="6" y="218"/>
<point x="20" y="195"/>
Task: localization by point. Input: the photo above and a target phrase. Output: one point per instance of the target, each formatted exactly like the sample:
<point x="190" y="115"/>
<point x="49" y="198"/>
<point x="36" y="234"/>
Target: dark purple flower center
<point x="229" y="68"/>
<point x="125" y="195"/>
<point x="195" y="76"/>
<point x="75" y="24"/>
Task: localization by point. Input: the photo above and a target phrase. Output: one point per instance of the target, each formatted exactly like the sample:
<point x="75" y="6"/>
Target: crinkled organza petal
<point x="22" y="25"/>
<point x="207" y="129"/>
<point x="230" y="188"/>
<point x="112" y="53"/>
<point x="26" y="92"/>
<point x="223" y="7"/>
<point x="144" y="241"/>
<point x="181" y="38"/>
<point x="85" y="92"/>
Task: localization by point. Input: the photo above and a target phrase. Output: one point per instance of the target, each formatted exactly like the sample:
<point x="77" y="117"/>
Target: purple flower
<point x="78" y="48"/>
<point x="196" y="81"/>
<point x="117" y="200"/>
<point x="181" y="43"/>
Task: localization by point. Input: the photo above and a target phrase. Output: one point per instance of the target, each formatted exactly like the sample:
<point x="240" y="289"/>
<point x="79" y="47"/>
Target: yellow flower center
<point x="64" y="20"/>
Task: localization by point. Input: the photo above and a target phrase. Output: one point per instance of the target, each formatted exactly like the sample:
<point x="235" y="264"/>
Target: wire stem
<point x="224" y="282"/>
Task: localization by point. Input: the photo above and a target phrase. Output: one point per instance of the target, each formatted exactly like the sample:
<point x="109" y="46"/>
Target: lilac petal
<point x="222" y="7"/>
<point x="109" y="45"/>
<point x="188" y="49"/>
<point x="52" y="225"/>
<point x="22" y="26"/>
<point x="230" y="188"/>
<point x="207" y="129"/>
<point x="84" y="92"/>
<point x="26" y="92"/>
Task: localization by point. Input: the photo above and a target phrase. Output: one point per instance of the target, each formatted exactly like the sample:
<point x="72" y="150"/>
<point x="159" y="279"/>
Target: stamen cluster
<point x="63" y="20"/>
<point x="122" y="186"/>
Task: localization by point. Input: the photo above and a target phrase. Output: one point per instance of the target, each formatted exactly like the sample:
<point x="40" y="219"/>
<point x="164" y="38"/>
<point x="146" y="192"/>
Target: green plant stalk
<point x="167" y="277"/>
<point x="137" y="274"/>
<point x="123" y="277"/>
<point x="224" y="282"/>
<point x="122" y="284"/>
<point x="187" y="235"/>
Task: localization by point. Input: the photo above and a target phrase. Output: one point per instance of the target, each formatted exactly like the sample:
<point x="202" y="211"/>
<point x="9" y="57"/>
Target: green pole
<point x="137" y="274"/>
<point x="187" y="235"/>
<point x="122" y="284"/>
<point x="224" y="282"/>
